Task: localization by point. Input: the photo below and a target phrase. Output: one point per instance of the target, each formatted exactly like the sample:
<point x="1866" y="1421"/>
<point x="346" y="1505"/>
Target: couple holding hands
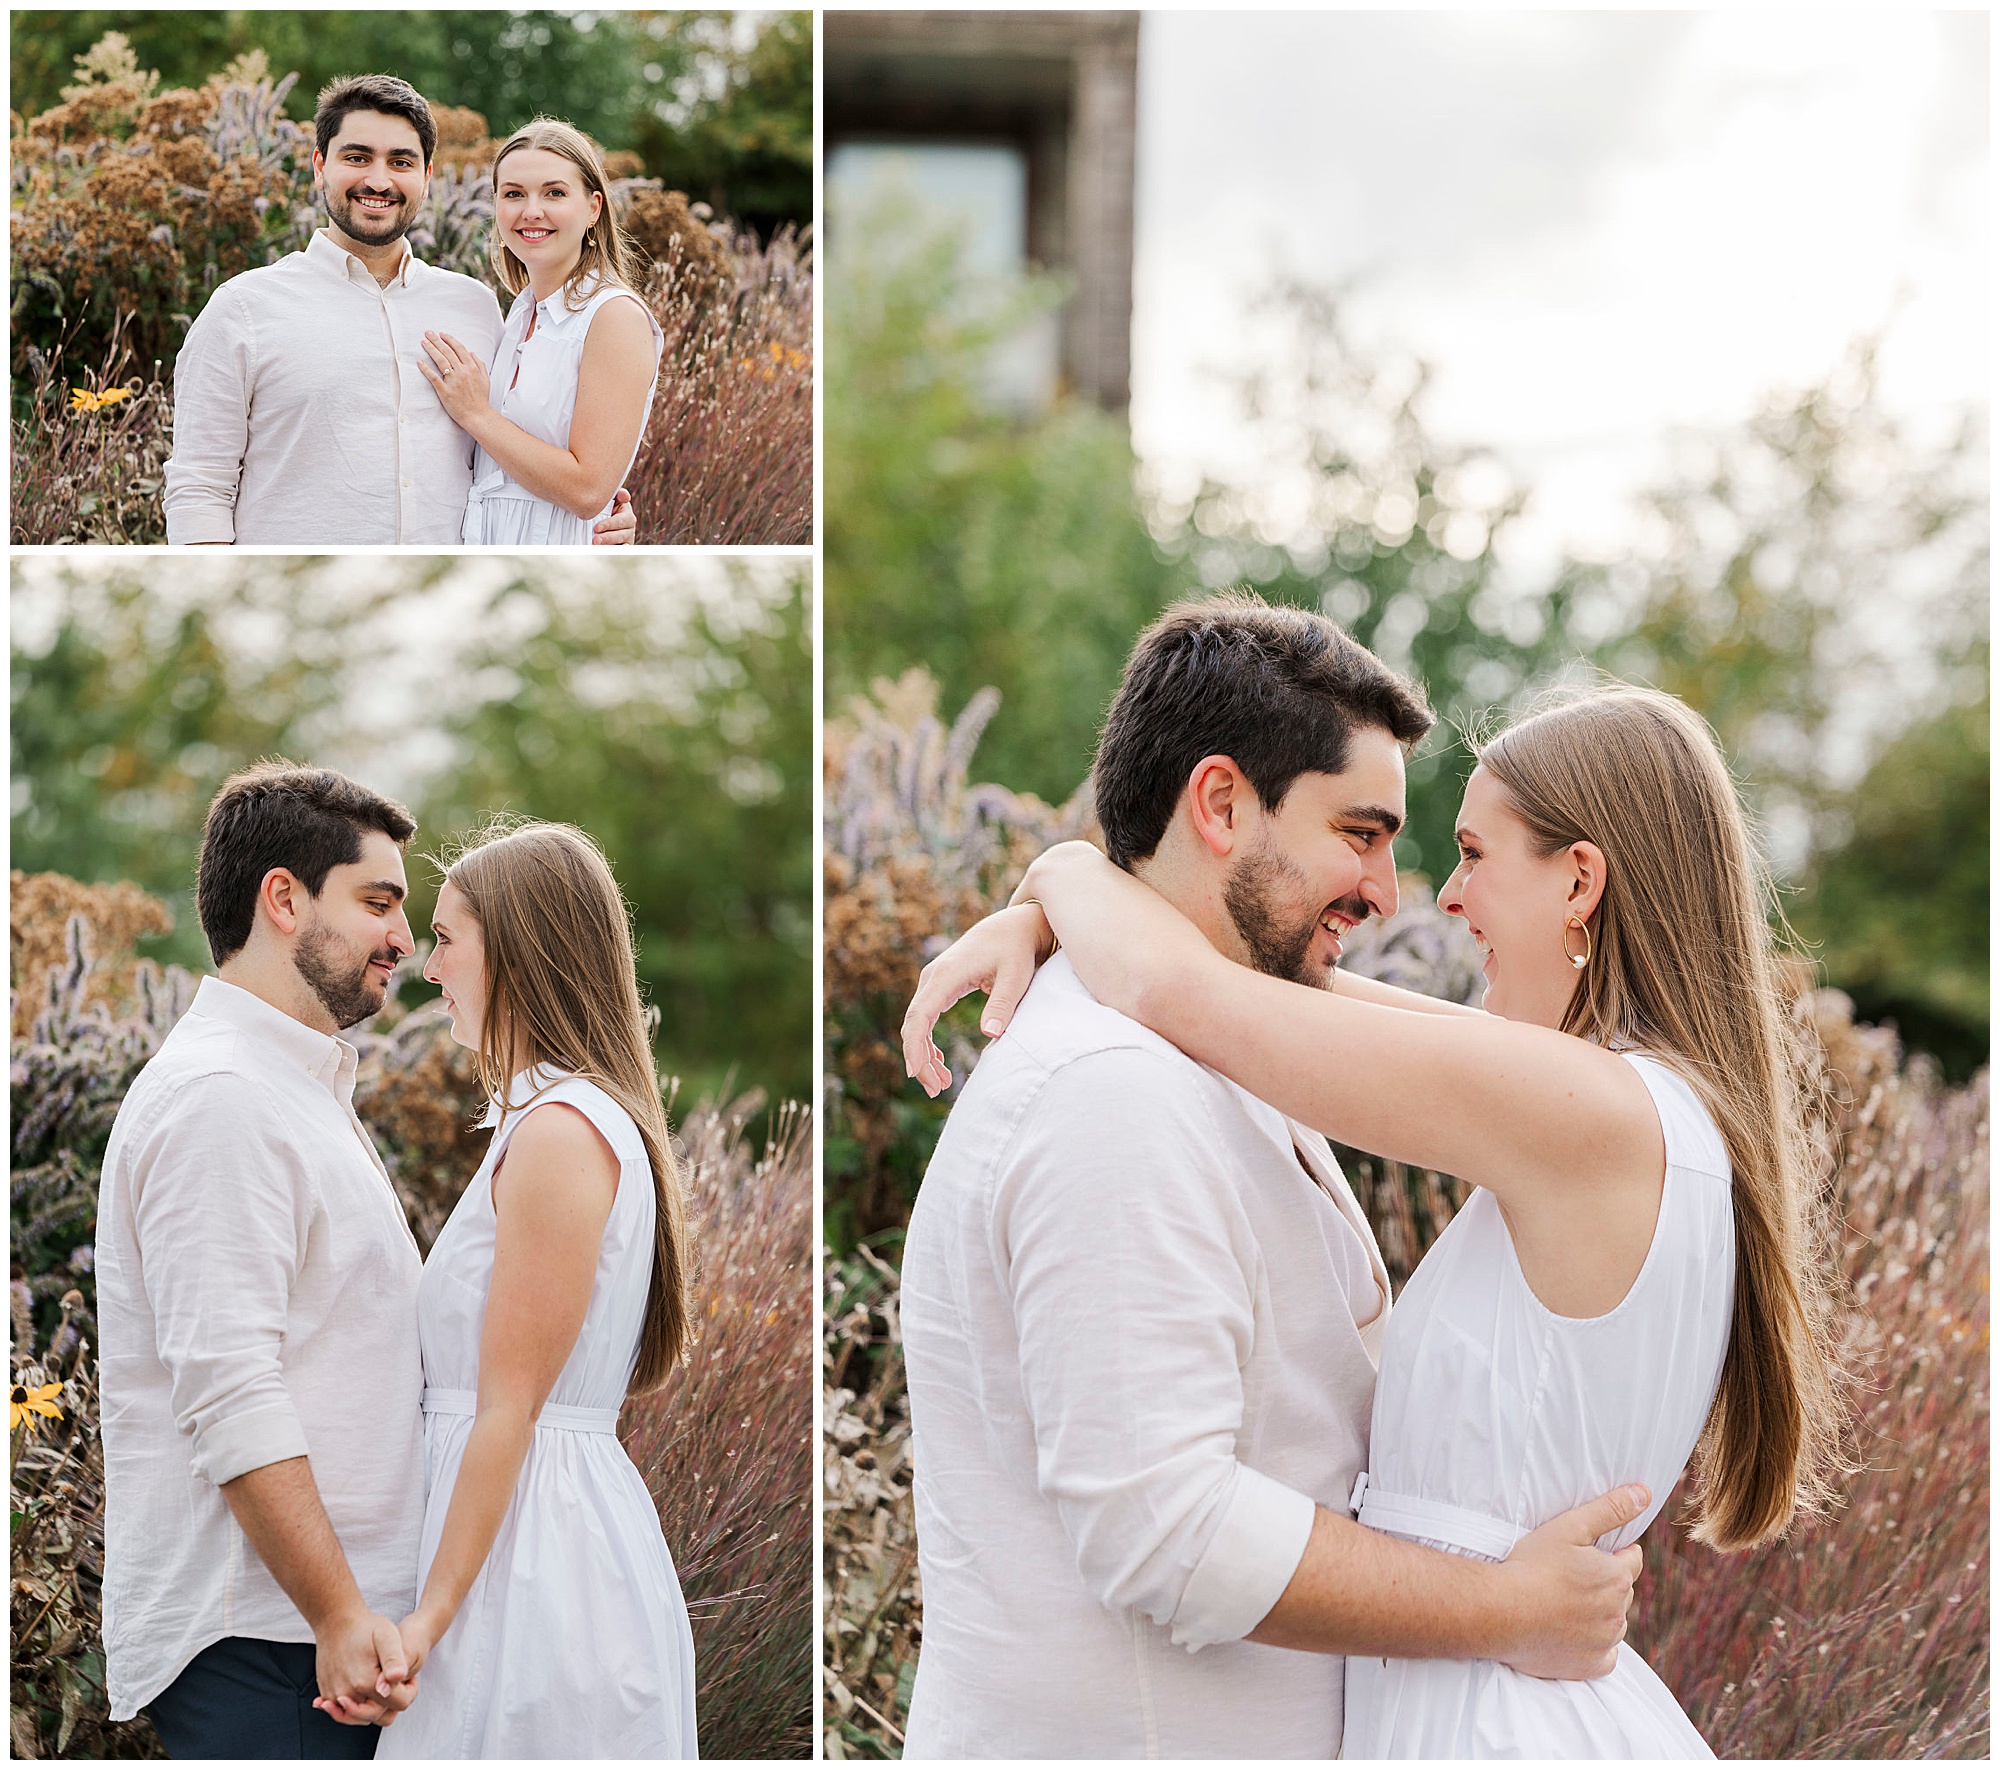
<point x="355" y="1495"/>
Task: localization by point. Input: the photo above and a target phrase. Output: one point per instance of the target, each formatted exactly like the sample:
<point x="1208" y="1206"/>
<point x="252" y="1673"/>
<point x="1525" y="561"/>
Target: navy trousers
<point x="253" y="1699"/>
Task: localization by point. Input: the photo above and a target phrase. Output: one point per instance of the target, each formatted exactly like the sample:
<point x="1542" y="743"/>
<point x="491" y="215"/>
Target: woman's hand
<point x="457" y="377"/>
<point x="997" y="957"/>
<point x="420" y="1631"/>
<point x="1132" y="949"/>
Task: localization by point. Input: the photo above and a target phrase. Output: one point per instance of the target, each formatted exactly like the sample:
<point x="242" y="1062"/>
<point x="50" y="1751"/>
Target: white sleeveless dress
<point x="573" y="1641"/>
<point x="1492" y="1415"/>
<point x="534" y="383"/>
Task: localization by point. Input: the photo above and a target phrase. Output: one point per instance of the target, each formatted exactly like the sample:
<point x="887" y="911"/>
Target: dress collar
<point x="555" y="312"/>
<point x="522" y="1092"/>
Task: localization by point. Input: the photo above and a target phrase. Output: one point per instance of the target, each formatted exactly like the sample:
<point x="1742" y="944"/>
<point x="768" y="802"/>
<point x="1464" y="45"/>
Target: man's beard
<point x="359" y="224"/>
<point x="343" y="988"/>
<point x="1280" y="940"/>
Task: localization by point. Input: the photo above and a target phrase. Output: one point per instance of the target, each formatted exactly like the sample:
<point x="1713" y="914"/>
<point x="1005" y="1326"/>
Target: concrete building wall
<point x="1059" y="87"/>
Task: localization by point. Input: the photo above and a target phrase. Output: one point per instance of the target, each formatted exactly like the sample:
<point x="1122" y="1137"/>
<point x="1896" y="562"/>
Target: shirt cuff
<point x="1248" y="1563"/>
<point x="204" y="523"/>
<point x="235" y="1446"/>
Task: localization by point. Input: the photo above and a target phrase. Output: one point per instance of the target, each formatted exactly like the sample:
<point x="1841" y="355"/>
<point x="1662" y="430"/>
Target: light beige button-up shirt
<point x="257" y="1297"/>
<point x="1141" y="1312"/>
<point x="301" y="416"/>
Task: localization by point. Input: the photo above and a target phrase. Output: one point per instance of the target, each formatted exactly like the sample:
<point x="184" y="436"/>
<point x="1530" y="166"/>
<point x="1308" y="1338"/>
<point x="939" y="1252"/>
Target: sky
<point x="1597" y="227"/>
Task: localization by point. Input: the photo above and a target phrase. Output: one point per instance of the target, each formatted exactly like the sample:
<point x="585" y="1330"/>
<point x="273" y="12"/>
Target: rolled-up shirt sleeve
<point x="222" y="1212"/>
<point x="212" y="384"/>
<point x="1134" y="1274"/>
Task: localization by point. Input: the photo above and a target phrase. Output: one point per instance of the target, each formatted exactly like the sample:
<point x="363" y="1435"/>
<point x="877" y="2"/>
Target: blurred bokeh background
<point x="1528" y="346"/>
<point x="663" y="704"/>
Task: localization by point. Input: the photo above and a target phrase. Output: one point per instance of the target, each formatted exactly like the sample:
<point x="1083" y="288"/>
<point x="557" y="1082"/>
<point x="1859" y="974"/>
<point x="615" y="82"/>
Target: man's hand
<point x="620" y="528"/>
<point x="364" y="1674"/>
<point x="1572" y="1598"/>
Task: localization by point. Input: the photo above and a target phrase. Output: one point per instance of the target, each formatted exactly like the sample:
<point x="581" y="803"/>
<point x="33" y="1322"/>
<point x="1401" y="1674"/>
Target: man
<point x="257" y="1279"/>
<point x="301" y="412"/>
<point x="1142" y="1310"/>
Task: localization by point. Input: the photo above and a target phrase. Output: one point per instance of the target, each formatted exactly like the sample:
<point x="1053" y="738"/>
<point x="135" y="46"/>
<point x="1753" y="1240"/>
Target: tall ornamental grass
<point x="724" y="1446"/>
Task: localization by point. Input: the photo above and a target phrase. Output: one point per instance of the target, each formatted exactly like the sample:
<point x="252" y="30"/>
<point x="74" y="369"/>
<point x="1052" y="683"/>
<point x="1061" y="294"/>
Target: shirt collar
<point x="524" y="1089"/>
<point x="328" y="1060"/>
<point x="343" y="263"/>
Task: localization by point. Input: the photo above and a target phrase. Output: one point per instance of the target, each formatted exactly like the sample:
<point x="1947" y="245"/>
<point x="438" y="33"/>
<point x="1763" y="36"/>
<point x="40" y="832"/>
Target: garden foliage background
<point x="134" y="198"/>
<point x="665" y="707"/>
<point x="1814" y="580"/>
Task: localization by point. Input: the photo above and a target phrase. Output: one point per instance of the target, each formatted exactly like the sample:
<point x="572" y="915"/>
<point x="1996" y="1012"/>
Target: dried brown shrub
<point x="915" y="853"/>
<point x="130" y="207"/>
<point x="39" y="906"/>
<point x="872" y="1620"/>
<point x="658" y="221"/>
<point x="462" y="140"/>
<point x="1865" y="1634"/>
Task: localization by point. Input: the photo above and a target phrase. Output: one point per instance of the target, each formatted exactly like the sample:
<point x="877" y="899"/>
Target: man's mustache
<point x="1355" y="909"/>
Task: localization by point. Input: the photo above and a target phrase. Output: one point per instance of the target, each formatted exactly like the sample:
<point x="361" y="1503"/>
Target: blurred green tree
<point x="718" y="104"/>
<point x="735" y="129"/>
<point x="995" y="550"/>
<point x="676" y="730"/>
<point x="1815" y="583"/>
<point x="669" y="715"/>
<point x="127" y="710"/>
<point x="508" y="65"/>
<point x="1898" y="908"/>
<point x="1355" y="507"/>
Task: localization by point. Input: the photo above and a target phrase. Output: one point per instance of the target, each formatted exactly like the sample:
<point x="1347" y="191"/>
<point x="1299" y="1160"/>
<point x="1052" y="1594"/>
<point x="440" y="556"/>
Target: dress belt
<point x="553" y="1414"/>
<point x="1404" y="1514"/>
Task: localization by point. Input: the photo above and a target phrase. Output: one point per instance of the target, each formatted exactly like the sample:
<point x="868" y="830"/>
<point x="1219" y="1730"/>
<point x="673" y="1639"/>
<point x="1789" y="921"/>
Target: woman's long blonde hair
<point x="605" y="254"/>
<point x="562" y="989"/>
<point x="1684" y="963"/>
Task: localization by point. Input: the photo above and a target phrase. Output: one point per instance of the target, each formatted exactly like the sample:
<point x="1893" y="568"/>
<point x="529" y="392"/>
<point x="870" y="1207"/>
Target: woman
<point x="1637" y="1279"/>
<point x="576" y="363"/>
<point x="550" y="1622"/>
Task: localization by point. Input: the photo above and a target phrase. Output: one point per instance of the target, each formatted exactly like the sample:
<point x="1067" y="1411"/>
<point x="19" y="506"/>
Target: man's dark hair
<point x="275" y="814"/>
<point x="373" y="92"/>
<point x="1277" y="690"/>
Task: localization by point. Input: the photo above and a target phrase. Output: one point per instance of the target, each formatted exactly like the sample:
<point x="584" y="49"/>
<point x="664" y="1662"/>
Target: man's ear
<point x="281" y="896"/>
<point x="1219" y="796"/>
<point x="319" y="170"/>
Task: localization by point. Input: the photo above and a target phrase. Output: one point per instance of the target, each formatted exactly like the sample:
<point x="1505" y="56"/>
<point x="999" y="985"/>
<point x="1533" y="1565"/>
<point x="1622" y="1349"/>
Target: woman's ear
<point x="1587" y="874"/>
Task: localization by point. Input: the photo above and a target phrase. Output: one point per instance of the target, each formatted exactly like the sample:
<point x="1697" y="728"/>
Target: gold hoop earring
<point x="1579" y="960"/>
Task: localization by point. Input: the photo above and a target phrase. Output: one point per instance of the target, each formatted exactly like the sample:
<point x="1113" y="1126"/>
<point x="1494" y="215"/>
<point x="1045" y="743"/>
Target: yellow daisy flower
<point x="81" y="399"/>
<point x="25" y="1403"/>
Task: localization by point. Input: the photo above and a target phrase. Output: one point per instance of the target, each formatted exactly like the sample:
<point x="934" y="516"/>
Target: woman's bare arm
<point x="1519" y="1109"/>
<point x="552" y="1197"/>
<point x="613" y="380"/>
